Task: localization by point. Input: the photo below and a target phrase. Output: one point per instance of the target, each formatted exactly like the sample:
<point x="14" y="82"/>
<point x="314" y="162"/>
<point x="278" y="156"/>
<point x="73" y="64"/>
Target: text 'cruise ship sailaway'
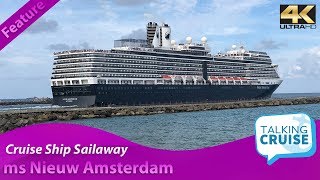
<point x="157" y="70"/>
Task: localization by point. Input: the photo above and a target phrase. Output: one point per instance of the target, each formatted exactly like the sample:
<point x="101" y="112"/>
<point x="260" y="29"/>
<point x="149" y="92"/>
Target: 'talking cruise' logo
<point x="294" y="16"/>
<point x="285" y="136"/>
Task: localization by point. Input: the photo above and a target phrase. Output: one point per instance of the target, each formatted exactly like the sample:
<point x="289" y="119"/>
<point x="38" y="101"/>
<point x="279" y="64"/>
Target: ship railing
<point x="82" y="51"/>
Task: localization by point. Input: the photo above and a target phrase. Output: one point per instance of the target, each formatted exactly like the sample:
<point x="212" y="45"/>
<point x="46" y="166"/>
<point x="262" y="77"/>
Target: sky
<point x="26" y="63"/>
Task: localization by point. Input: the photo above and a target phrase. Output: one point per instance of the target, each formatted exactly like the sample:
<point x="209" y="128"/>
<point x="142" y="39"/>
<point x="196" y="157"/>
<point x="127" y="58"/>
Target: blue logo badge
<point x="285" y="136"/>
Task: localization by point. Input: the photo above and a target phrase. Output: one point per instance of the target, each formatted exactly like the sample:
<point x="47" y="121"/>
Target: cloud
<point x="213" y="17"/>
<point x="43" y="26"/>
<point x="2" y="63"/>
<point x="64" y="47"/>
<point x="177" y="7"/>
<point x="227" y="31"/>
<point x="108" y="9"/>
<point x="236" y="6"/>
<point x="132" y="2"/>
<point x="59" y="47"/>
<point x="136" y="34"/>
<point x="315" y="51"/>
<point x="149" y="17"/>
<point x="306" y="66"/>
<point x="270" y="44"/>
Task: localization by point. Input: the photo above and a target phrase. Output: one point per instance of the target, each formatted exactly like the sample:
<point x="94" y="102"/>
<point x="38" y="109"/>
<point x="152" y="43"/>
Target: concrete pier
<point x="18" y="118"/>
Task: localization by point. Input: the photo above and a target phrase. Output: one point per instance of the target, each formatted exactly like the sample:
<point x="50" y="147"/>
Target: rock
<point x="52" y="117"/>
<point x="74" y="116"/>
<point x="2" y="122"/>
<point x="24" y="116"/>
<point x="276" y="103"/>
<point x="141" y="111"/>
<point x="19" y="123"/>
<point x="8" y="125"/>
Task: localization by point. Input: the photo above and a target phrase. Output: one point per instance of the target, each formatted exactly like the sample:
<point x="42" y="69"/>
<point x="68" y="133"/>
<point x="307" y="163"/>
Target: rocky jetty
<point x="34" y="100"/>
<point x="13" y="119"/>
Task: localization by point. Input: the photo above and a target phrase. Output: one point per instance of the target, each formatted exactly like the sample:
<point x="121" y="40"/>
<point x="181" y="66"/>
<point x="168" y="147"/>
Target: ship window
<point x="125" y="82"/>
<point x="59" y="83"/>
<point x="84" y="81"/>
<point x="101" y="81"/>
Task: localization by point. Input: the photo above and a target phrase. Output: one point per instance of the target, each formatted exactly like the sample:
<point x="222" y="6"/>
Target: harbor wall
<point x="10" y="120"/>
<point x="26" y="101"/>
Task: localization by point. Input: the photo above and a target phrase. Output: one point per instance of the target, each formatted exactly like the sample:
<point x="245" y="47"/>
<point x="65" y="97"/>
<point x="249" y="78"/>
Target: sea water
<point x="193" y="130"/>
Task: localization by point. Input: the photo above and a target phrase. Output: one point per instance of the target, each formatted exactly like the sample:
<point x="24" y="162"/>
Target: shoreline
<point x="12" y="119"/>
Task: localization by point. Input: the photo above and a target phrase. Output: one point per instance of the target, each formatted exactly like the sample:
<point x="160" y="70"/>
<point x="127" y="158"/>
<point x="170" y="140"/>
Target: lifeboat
<point x="178" y="78"/>
<point x="229" y="78"/>
<point x="199" y="78"/>
<point x="166" y="77"/>
<point x="189" y="78"/>
<point x="214" y="78"/>
<point x="222" y="78"/>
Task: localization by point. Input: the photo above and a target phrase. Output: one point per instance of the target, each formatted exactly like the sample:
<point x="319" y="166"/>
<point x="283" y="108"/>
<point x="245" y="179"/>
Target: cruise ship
<point x="157" y="70"/>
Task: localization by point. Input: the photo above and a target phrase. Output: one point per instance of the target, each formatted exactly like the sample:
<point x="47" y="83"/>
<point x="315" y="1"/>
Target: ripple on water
<point x="192" y="130"/>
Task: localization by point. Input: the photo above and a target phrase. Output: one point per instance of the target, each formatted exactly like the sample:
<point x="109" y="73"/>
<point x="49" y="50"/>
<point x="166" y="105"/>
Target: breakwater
<point x="13" y="119"/>
<point x="26" y="101"/>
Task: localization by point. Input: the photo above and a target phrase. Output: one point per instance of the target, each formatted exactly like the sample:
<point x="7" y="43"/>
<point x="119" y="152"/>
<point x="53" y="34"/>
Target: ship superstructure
<point x="157" y="70"/>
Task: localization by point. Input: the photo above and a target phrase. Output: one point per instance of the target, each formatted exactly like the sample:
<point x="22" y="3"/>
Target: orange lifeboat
<point x="166" y="76"/>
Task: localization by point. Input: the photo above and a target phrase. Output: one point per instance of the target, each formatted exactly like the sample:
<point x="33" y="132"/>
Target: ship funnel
<point x="151" y="31"/>
<point x="165" y="40"/>
<point x="162" y="36"/>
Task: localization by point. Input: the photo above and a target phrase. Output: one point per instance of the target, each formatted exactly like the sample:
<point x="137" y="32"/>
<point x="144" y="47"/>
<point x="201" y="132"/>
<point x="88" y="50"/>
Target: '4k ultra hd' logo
<point x="300" y="16"/>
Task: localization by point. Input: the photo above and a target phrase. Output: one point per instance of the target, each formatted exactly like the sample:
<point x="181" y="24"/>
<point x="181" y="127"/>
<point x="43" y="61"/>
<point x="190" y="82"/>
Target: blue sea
<point x="190" y="130"/>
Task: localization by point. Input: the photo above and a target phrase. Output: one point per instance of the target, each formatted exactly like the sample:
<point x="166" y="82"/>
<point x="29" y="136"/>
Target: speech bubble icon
<point x="285" y="136"/>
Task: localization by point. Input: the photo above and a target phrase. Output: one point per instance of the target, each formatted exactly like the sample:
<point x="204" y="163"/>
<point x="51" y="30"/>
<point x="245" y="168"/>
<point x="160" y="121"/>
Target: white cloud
<point x="149" y="17"/>
<point x="176" y="7"/>
<point x="297" y="68"/>
<point x="108" y="9"/>
<point x="315" y="51"/>
<point x="216" y="17"/>
<point x="132" y="2"/>
<point x="236" y="6"/>
<point x="270" y="44"/>
<point x="226" y="31"/>
<point x="306" y="65"/>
